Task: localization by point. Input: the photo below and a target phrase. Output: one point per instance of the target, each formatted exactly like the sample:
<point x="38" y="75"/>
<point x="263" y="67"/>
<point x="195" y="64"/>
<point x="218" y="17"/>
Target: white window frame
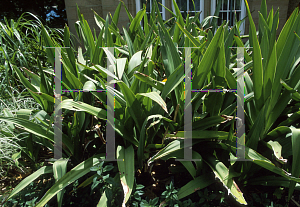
<point x="139" y="6"/>
<point x="201" y="9"/>
<point x="243" y="12"/>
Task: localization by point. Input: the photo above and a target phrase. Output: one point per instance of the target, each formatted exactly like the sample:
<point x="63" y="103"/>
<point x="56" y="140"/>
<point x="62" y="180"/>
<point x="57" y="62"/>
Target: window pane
<point x="147" y="6"/>
<point x="225" y="4"/>
<point x="238" y="4"/>
<point x="220" y="20"/>
<point x="159" y="6"/>
<point x="225" y="16"/>
<point x="182" y="5"/>
<point x="231" y="18"/>
<point x="231" y="6"/>
<point x="192" y="14"/>
<point x="197" y="5"/>
<point x="230" y="9"/>
<point x="238" y="16"/>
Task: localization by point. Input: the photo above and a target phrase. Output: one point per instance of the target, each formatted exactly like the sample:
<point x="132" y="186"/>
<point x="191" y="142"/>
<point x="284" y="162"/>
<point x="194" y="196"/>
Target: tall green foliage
<point x="149" y="99"/>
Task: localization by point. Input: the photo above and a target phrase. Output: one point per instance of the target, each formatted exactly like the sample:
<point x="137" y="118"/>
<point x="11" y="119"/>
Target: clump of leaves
<point x="168" y="198"/>
<point x="31" y="194"/>
<point x="206" y="196"/>
<point x="150" y="203"/>
<point x="170" y="195"/>
<point x="108" y="184"/>
<point x="136" y="197"/>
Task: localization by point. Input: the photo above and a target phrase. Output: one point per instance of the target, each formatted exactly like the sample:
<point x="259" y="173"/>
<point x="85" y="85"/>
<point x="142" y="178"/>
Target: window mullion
<point x="138" y="5"/>
<point x="201" y="8"/>
<point x="234" y="4"/>
<point x="235" y="13"/>
<point x="163" y="9"/>
<point x="228" y="2"/>
<point x="222" y="4"/>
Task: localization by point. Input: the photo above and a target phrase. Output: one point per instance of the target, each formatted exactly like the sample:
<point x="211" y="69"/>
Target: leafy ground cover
<point x="148" y="64"/>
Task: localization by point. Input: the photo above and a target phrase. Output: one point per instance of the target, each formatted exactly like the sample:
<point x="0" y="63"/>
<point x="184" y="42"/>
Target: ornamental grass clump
<point x="10" y="136"/>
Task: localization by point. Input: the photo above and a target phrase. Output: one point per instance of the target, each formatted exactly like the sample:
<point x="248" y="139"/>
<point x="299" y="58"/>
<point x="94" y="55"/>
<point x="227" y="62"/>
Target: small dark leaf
<point x="108" y="168"/>
<point x="110" y="181"/>
<point x="105" y="177"/>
